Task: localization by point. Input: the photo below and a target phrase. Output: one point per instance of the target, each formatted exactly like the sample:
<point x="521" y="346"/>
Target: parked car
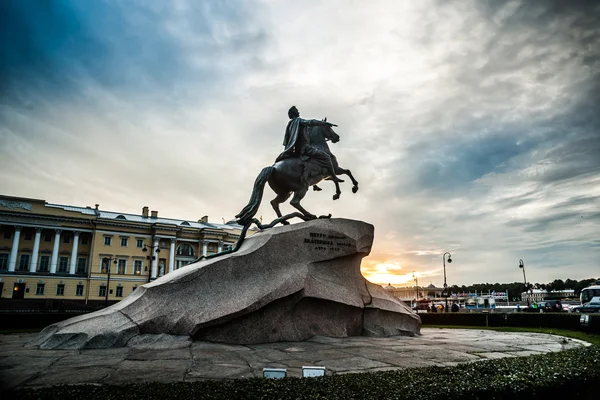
<point x="591" y="307"/>
<point x="550" y="306"/>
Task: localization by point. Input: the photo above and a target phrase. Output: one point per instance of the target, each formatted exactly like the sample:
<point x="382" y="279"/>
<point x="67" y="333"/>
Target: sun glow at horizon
<point x="391" y="273"/>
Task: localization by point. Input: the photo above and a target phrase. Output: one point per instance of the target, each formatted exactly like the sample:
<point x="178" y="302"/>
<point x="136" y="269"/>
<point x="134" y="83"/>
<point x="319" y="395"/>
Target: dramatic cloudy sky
<point x="472" y="126"/>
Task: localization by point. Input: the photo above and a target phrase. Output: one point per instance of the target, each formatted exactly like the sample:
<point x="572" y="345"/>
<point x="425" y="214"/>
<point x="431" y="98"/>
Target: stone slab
<point x="287" y="283"/>
<point x="204" y="360"/>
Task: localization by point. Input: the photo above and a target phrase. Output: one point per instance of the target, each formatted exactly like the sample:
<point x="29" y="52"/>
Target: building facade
<point x="84" y="254"/>
<point x="541" y="294"/>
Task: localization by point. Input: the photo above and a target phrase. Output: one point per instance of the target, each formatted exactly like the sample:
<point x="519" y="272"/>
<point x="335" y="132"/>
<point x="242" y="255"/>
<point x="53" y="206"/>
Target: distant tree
<point x="558" y="284"/>
<point x="570" y="283"/>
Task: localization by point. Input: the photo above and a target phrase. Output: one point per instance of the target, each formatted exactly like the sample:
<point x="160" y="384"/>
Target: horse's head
<point x="330" y="134"/>
<point x="320" y="134"/>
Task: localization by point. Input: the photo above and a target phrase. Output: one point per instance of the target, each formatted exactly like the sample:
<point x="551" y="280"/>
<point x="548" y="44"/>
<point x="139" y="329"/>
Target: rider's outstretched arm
<point x="314" y="122"/>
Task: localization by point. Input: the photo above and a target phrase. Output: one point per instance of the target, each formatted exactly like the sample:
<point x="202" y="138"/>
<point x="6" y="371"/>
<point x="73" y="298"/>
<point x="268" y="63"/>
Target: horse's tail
<point x="245" y="216"/>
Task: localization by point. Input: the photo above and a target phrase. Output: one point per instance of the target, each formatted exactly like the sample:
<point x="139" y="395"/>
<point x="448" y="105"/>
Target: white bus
<point x="589" y="292"/>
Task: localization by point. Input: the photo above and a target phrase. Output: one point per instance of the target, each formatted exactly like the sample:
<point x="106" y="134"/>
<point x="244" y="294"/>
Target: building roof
<point x="110" y="215"/>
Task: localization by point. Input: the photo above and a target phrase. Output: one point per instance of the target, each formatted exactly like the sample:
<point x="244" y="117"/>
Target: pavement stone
<point x="149" y="355"/>
<point x="22" y="366"/>
<point x="149" y="371"/>
<point x="61" y="375"/>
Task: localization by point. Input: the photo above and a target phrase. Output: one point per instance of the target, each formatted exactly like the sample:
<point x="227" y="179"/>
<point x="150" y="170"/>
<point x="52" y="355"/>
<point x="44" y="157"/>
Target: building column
<point x="36" y="250"/>
<point x="54" y="259"/>
<point x="172" y="257"/>
<point x="220" y="248"/>
<point x="154" y="259"/>
<point x="74" y="253"/>
<point x="14" y="250"/>
<point x="204" y="248"/>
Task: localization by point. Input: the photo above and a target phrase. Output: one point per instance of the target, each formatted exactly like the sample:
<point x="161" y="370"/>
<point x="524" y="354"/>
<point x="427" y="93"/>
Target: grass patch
<point x="587" y="337"/>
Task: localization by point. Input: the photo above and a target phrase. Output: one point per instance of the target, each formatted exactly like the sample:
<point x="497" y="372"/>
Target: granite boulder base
<point x="288" y="283"/>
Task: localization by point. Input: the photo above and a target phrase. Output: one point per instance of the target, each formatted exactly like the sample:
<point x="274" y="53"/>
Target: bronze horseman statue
<point x="305" y="162"/>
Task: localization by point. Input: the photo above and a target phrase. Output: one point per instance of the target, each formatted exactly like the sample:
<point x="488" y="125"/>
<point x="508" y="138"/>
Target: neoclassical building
<point x="53" y="251"/>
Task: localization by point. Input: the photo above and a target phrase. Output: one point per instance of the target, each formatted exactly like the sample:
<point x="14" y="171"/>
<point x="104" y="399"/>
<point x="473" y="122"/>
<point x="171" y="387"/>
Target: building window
<point x="137" y="267"/>
<point x="124" y="242"/>
<point x="24" y="262"/>
<point x="79" y="290"/>
<point x="3" y="261"/>
<point x="60" y="289"/>
<point x="107" y="240"/>
<point x="7" y="235"/>
<point x="81" y="265"/>
<point x="139" y="243"/>
<point x="39" y="290"/>
<point x="66" y="239"/>
<point x="47" y="238"/>
<point x="44" y="265"/>
<point x="84" y="239"/>
<point x="105" y="266"/>
<point x="121" y="267"/>
<point x="185" y="250"/>
<point x="119" y="291"/>
<point x="181" y="264"/>
<point x="27" y="236"/>
<point x="102" y="291"/>
<point x="63" y="264"/>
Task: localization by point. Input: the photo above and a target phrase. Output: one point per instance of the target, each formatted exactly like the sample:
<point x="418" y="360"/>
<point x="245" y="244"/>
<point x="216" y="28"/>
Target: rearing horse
<point x="292" y="175"/>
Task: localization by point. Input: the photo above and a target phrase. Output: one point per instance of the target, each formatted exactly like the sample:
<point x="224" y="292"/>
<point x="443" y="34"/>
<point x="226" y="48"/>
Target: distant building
<point x="540" y="294"/>
<point x="52" y="251"/>
<point x="409" y="293"/>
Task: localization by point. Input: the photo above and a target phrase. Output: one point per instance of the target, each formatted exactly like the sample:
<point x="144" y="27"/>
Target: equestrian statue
<point x="305" y="161"/>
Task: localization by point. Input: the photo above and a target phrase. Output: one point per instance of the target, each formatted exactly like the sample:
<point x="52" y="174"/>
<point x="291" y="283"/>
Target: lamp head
<point x="449" y="260"/>
<point x="144" y="249"/>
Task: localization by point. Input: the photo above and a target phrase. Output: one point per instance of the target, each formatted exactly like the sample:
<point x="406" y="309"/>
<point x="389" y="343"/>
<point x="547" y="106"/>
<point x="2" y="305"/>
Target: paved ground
<point x="28" y="367"/>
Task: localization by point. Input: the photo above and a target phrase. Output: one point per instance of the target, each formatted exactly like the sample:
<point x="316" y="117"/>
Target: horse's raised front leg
<point x="340" y="171"/>
<point x="298" y="196"/>
<point x="281" y="198"/>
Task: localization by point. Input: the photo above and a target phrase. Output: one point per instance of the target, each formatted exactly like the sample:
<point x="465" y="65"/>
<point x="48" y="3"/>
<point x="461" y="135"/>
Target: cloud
<point x="471" y="127"/>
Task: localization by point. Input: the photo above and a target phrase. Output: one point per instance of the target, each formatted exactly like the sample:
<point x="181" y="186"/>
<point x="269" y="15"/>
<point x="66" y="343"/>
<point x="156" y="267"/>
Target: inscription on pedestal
<point x="326" y="242"/>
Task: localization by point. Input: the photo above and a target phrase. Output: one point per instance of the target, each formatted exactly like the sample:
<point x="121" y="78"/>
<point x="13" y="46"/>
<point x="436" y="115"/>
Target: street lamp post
<point x="151" y="247"/>
<point x="106" y="261"/>
<point x="416" y="284"/>
<point x="445" y="284"/>
<point x="522" y="265"/>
